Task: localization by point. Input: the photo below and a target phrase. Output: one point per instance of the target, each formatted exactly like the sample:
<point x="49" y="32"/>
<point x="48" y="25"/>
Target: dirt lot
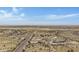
<point x="39" y="39"/>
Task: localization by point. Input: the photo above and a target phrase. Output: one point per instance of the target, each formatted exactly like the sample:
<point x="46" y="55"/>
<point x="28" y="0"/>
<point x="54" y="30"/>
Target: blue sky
<point x="39" y="16"/>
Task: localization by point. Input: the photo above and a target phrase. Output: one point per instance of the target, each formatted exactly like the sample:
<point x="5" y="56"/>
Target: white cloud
<point x="17" y="16"/>
<point x="69" y="15"/>
<point x="2" y="11"/>
<point x="8" y="15"/>
<point x="14" y="9"/>
<point x="14" y="14"/>
<point x="61" y="16"/>
<point x="5" y="14"/>
<point x="53" y="17"/>
<point x="22" y="14"/>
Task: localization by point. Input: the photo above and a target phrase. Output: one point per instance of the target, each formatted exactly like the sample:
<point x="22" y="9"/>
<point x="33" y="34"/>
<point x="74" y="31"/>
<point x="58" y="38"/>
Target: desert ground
<point x="39" y="38"/>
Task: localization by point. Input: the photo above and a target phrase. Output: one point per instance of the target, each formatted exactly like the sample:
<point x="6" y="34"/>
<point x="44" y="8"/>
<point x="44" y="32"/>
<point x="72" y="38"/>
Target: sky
<point x="39" y="16"/>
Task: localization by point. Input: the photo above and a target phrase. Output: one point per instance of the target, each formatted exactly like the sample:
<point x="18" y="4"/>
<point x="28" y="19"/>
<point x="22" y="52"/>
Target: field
<point x="39" y="38"/>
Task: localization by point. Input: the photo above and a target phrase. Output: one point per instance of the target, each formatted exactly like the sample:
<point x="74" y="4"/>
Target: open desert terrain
<point x="39" y="38"/>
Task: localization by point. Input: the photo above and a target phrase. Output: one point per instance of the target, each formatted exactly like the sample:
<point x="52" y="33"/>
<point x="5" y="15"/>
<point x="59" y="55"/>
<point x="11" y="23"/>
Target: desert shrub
<point x="23" y="50"/>
<point x="70" y="50"/>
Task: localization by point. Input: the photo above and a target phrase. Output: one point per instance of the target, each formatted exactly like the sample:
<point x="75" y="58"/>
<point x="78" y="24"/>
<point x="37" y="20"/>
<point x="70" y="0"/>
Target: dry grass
<point x="43" y="40"/>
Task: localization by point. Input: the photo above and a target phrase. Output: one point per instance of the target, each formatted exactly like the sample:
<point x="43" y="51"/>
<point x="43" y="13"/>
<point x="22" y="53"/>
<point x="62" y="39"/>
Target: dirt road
<point x="23" y="43"/>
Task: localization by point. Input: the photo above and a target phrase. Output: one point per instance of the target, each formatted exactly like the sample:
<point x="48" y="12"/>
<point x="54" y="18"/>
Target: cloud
<point x="61" y="16"/>
<point x="53" y="17"/>
<point x="17" y="17"/>
<point x="4" y="14"/>
<point x="71" y="15"/>
<point x="22" y="14"/>
<point x="14" y="14"/>
<point x="2" y="11"/>
<point x="14" y="9"/>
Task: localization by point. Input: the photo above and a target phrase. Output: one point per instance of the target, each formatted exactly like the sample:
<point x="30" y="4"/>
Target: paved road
<point x="23" y="43"/>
